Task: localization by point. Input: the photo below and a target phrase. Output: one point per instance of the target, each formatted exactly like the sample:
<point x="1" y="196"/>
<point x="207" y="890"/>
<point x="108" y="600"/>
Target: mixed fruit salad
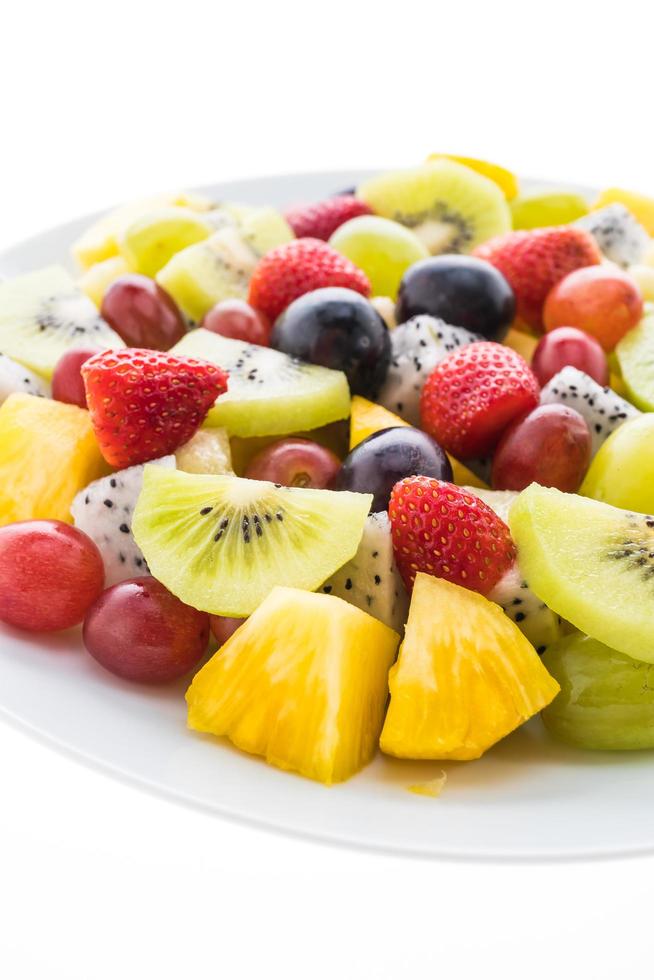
<point x="377" y="470"/>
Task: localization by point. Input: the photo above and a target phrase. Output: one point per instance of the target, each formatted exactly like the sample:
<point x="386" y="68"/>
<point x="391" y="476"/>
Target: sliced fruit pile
<point x="414" y="417"/>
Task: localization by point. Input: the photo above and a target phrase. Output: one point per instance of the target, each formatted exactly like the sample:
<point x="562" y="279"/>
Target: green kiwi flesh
<point x="449" y="206"/>
<point x="43" y="314"/>
<point x="591" y="563"/>
<point x="269" y="393"/>
<point x="221" y="543"/>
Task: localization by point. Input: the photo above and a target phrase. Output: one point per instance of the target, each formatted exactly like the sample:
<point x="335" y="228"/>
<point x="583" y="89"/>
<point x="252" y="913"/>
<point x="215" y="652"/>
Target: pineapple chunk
<point x="465" y="676"/>
<point x="98" y="277"/>
<point x="303" y="683"/>
<point x="101" y="240"/>
<point x="208" y="451"/>
<point x="366" y="418"/>
<point x="48" y="452"/>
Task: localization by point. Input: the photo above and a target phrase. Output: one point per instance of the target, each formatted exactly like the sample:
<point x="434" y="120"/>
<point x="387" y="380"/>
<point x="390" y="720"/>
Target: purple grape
<point x="377" y="463"/>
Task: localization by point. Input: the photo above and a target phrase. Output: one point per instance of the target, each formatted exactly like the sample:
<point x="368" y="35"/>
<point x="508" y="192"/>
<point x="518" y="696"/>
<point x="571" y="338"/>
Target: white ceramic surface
<point x="529" y="798"/>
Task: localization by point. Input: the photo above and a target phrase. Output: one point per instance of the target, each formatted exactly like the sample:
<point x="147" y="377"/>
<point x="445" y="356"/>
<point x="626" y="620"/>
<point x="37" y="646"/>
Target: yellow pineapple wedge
<point x="303" y="683"/>
<point x="367" y="417"/>
<point x="95" y="281"/>
<point x="48" y="452"/>
<point x="465" y="676"/>
<point x="101" y="240"/>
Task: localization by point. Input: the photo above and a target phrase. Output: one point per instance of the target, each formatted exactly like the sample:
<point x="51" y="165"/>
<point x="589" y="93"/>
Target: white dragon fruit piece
<point x="618" y="234"/>
<point x="15" y="377"/>
<point x="371" y="579"/>
<point x="104" y="509"/>
<point x="537" y="621"/>
<point x="604" y="410"/>
<point x="417" y="346"/>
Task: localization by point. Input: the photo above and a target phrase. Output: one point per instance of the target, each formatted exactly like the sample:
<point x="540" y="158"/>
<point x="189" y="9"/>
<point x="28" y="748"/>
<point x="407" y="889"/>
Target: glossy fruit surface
<point x="299" y="267"/>
<point x="622" y="472"/>
<point x="606" y="700"/>
<point x="551" y="446"/>
<point x="48" y="452"/>
<point x="67" y="384"/>
<point x="540" y="209"/>
<point x="569" y="346"/>
<point x="377" y="463"/>
<point x="473" y="395"/>
<point x="142" y="313"/>
<point x="139" y="631"/>
<point x="146" y="403"/>
<point x="338" y="329"/>
<point x="223" y="627"/>
<point x="384" y="249"/>
<point x="50" y="573"/>
<point x="590" y="563"/>
<point x="465" y="676"/>
<point x="460" y="289"/>
<point x="603" y="301"/>
<point x="237" y="319"/>
<point x="303" y="683"/>
<point x="444" y="530"/>
<point x="635" y="354"/>
<point x="320" y="220"/>
<point x="295" y="463"/>
<point x="534" y="261"/>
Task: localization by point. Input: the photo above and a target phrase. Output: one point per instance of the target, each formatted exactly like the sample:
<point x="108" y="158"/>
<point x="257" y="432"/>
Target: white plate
<point x="528" y="798"/>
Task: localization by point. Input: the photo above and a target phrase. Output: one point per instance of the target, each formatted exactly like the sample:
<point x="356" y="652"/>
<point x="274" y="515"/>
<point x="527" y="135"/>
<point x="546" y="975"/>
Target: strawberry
<point x="299" y="267"/>
<point x="534" y="261"/>
<point x="322" y="219"/>
<point x="443" y="530"/>
<point x="146" y="403"/>
<point x="473" y="394"/>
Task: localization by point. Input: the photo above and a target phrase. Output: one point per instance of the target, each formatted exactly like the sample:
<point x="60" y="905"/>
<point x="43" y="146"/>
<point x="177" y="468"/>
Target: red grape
<point x="67" y="383"/>
<point x="236" y="318"/>
<point x="602" y="300"/>
<point x="222" y="627"/>
<point x="142" y="632"/>
<point x="569" y="346"/>
<point x="551" y="446"/>
<point x="50" y="573"/>
<point x="295" y="463"/>
<point x="142" y="313"/>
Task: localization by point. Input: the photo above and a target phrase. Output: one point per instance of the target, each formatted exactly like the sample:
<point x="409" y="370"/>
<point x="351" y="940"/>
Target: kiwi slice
<point x="591" y="563"/>
<point x="268" y="393"/>
<point x="635" y="354"/>
<point x="221" y="543"/>
<point x="449" y="206"/>
<point x="43" y="314"/>
<point x="220" y="267"/>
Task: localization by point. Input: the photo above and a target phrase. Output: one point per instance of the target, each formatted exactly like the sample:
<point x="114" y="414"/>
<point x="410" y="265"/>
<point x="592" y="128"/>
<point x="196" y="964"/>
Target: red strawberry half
<point x="440" y="529"/>
<point x="473" y="394"/>
<point x="147" y="403"/>
<point x="299" y="267"/>
<point x="534" y="261"/>
<point x="322" y="219"/>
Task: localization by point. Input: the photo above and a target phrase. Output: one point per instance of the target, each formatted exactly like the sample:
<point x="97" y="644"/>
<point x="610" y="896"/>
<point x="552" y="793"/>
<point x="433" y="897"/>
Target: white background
<point x="108" y="101"/>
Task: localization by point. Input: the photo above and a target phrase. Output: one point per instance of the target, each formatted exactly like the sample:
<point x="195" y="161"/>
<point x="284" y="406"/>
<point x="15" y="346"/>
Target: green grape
<point x="606" y="699"/>
<point x="622" y="472"/>
<point x="383" y="248"/>
<point x="544" y="208"/>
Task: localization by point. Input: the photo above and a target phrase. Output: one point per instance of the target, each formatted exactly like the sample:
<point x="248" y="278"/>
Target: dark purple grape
<point x="377" y="463"/>
<point x="339" y="329"/>
<point x="460" y="289"/>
